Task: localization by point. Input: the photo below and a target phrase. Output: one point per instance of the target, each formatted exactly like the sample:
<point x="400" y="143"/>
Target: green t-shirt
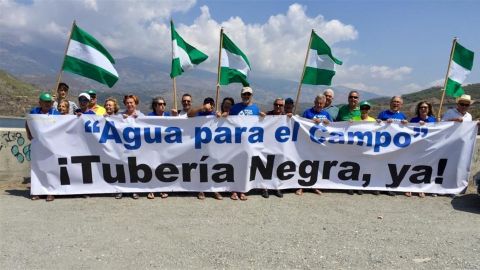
<point x="344" y="114"/>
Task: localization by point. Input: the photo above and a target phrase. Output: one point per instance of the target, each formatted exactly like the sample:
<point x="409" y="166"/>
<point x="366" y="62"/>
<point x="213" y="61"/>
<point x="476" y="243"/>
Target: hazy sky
<point x="387" y="47"/>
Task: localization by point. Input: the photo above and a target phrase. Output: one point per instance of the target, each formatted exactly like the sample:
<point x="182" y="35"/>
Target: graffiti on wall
<point x="16" y="144"/>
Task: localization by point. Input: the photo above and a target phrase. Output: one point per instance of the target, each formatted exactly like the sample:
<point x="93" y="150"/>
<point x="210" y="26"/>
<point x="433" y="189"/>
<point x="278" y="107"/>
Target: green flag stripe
<point x="88" y="70"/>
<point x="453" y="89"/>
<point x="228" y="76"/>
<point x="231" y="47"/>
<point x="176" y="68"/>
<point x="318" y="76"/>
<point x="83" y="37"/>
<point x="463" y="56"/>
<point x="322" y="48"/>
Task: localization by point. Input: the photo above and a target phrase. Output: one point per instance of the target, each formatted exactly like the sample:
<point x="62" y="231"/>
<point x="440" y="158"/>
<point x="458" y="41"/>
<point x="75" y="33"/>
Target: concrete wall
<point x="15" y="155"/>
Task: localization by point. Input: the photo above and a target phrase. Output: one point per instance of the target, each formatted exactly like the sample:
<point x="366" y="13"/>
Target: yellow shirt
<point x="359" y="118"/>
<point x="99" y="110"/>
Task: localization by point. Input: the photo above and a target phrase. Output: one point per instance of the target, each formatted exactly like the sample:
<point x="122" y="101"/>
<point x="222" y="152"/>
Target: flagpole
<point x="59" y="77"/>
<point x="446" y="77"/>
<point x="303" y="73"/>
<point x="173" y="79"/>
<point x="218" y="69"/>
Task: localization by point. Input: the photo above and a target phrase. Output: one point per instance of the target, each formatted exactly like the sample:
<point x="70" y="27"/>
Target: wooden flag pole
<point x="446" y="78"/>
<point x="59" y="77"/>
<point x="303" y="73"/>
<point x="217" y="94"/>
<point x="173" y="79"/>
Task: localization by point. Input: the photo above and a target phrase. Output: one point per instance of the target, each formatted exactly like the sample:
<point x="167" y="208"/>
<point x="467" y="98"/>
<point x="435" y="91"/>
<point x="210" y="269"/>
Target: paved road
<point x="331" y="231"/>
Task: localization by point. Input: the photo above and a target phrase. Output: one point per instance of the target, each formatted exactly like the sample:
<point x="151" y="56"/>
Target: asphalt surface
<point x="331" y="231"/>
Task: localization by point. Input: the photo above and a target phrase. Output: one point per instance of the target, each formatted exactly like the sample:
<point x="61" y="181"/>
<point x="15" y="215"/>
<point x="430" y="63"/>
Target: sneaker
<point x="118" y="196"/>
<point x="360" y="192"/>
<point x="391" y="193"/>
<point x="279" y="193"/>
<point x="265" y="194"/>
<point x="350" y="192"/>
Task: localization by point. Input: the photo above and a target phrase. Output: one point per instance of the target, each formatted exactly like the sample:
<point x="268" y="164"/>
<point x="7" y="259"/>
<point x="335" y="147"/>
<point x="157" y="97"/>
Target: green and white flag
<point x="319" y="69"/>
<point x="460" y="66"/>
<point x="184" y="55"/>
<point x="234" y="66"/>
<point x="88" y="58"/>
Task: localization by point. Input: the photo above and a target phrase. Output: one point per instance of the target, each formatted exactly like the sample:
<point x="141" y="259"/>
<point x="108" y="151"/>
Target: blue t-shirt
<point x="200" y="113"/>
<point x="430" y="119"/>
<point x="155" y="114"/>
<point x="38" y="110"/>
<point x="89" y="111"/>
<point x="395" y="116"/>
<point x="312" y="114"/>
<point x="242" y="109"/>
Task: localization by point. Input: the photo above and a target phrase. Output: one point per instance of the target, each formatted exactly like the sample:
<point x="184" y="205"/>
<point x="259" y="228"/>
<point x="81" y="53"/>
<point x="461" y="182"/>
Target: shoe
<point x="201" y="196"/>
<point x="350" y="192"/>
<point x="434" y="195"/>
<point x="85" y="196"/>
<point x="299" y="192"/>
<point x="234" y="196"/>
<point x="279" y="193"/>
<point x="360" y="192"/>
<point x="421" y="195"/>
<point x="118" y="196"/>
<point x="376" y="192"/>
<point x="265" y="194"/>
<point x="151" y="196"/>
<point x="163" y="195"/>
<point x="391" y="193"/>
<point x="317" y="191"/>
<point x="243" y="197"/>
<point x="34" y="197"/>
<point x="135" y="196"/>
<point x="408" y="194"/>
<point x="217" y="196"/>
<point x="50" y="198"/>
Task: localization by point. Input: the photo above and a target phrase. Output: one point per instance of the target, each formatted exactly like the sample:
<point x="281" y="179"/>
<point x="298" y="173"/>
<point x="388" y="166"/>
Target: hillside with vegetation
<point x="16" y="96"/>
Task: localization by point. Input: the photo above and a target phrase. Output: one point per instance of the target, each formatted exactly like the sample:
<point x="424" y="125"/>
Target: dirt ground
<point x="333" y="230"/>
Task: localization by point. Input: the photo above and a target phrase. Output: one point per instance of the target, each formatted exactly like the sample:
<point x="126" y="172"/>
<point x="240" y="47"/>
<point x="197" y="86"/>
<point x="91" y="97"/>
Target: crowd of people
<point x="322" y="112"/>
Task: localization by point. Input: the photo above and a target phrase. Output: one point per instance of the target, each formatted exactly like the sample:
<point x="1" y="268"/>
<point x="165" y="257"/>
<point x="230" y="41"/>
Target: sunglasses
<point x="246" y="94"/>
<point x="160" y="103"/>
<point x="83" y="100"/>
<point x="364" y="108"/>
<point x="464" y="104"/>
<point x="354" y="97"/>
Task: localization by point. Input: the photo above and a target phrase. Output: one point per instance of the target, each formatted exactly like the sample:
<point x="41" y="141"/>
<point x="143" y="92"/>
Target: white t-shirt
<point x="454" y="113"/>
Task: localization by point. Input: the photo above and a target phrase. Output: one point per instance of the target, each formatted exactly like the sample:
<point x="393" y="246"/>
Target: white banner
<point x="91" y="154"/>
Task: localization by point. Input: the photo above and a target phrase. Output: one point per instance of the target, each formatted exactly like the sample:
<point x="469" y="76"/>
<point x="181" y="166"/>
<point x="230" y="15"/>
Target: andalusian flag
<point x="184" y="55"/>
<point x="87" y="57"/>
<point x="460" y="66"/>
<point x="319" y="69"/>
<point x="234" y="66"/>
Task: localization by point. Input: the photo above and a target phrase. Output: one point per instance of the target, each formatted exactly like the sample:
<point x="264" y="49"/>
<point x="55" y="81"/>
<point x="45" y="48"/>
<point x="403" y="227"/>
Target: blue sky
<point x="388" y="47"/>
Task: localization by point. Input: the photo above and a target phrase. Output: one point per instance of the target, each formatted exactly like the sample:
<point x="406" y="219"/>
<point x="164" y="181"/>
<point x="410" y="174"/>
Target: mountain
<point x="17" y="97"/>
<point x="147" y="78"/>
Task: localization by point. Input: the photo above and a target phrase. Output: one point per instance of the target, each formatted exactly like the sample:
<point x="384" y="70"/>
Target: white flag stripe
<point x="90" y="55"/>
<point x="180" y="53"/>
<point x="457" y="73"/>
<point x="234" y="61"/>
<point x="319" y="61"/>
